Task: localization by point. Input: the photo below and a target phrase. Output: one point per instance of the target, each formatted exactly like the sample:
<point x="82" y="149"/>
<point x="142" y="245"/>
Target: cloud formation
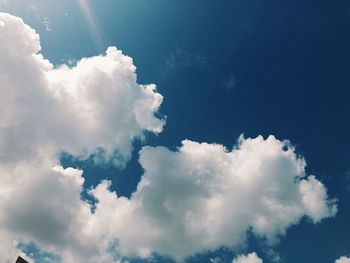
<point x="343" y="260"/>
<point x="95" y="105"/>
<point x="204" y="196"/>
<point x="250" y="258"/>
<point x="95" y="108"/>
<point x="197" y="198"/>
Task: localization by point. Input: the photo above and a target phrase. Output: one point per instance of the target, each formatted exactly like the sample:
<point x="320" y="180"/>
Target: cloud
<point x="42" y="205"/>
<point x="95" y="105"/>
<point x="181" y="58"/>
<point x="215" y="260"/>
<point x="343" y="260"/>
<point x="200" y="197"/>
<point x="47" y="24"/>
<point x="250" y="258"/>
<point x="272" y="255"/>
<point x="40" y="256"/>
<point x="203" y="196"/>
<point x="94" y="108"/>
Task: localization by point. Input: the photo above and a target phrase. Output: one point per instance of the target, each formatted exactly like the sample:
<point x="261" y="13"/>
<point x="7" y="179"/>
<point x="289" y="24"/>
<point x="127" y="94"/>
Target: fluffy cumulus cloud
<point x="197" y="198"/>
<point x="343" y="260"/>
<point x="95" y="105"/>
<point x="250" y="258"/>
<point x="204" y="196"/>
<point x="95" y="108"/>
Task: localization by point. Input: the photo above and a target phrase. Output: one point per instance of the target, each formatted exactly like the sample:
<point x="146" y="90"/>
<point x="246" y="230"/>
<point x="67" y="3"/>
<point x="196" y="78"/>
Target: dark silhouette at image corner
<point x="21" y="260"/>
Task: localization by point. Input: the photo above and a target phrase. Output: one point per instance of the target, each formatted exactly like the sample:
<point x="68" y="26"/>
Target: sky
<point x="175" y="131"/>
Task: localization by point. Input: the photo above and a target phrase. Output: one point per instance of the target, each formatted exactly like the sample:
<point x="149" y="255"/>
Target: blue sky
<point x="224" y="69"/>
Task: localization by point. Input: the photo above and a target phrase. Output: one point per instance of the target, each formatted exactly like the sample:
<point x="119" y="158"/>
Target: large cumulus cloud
<point x="197" y="198"/>
<point x="95" y="105"/>
<point x="204" y="196"/>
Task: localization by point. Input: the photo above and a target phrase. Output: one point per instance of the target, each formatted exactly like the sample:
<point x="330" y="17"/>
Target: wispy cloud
<point x="47" y="24"/>
<point x="181" y="58"/>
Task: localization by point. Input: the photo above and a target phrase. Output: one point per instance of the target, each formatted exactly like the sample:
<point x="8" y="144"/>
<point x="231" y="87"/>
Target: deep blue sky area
<point x="229" y="67"/>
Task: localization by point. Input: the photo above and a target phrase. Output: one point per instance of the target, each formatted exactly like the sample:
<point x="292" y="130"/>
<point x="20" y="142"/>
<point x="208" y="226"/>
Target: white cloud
<point x="198" y="198"/>
<point x="46" y="110"/>
<point x="204" y="196"/>
<point x="343" y="260"/>
<point x="250" y="258"/>
<point x="96" y="104"/>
